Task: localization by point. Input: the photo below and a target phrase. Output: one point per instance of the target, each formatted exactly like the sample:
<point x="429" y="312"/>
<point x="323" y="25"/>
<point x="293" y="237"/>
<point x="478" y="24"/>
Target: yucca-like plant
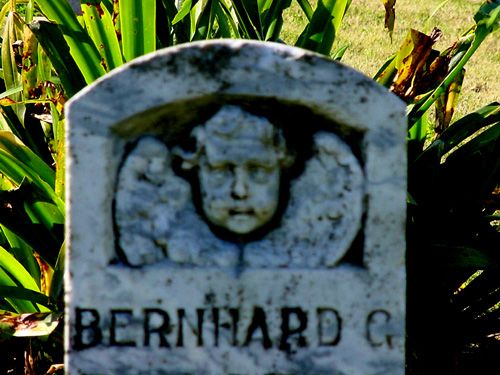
<point x="49" y="53"/>
<point x="454" y="185"/>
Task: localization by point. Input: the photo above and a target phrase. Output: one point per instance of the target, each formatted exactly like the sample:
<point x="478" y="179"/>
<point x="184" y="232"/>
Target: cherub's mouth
<point x="241" y="211"/>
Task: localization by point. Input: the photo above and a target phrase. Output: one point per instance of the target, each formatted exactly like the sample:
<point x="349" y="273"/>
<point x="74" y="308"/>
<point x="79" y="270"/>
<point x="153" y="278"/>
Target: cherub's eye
<point x="259" y="173"/>
<point x="220" y="173"/>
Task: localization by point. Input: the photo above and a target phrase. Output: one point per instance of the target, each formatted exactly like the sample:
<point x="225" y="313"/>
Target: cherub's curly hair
<point x="231" y="122"/>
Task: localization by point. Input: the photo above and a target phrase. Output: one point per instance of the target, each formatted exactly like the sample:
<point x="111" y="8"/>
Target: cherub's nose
<point x="240" y="184"/>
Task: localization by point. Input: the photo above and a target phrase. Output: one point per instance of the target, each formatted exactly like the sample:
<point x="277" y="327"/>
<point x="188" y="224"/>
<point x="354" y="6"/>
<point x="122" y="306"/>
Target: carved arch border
<point x="216" y="69"/>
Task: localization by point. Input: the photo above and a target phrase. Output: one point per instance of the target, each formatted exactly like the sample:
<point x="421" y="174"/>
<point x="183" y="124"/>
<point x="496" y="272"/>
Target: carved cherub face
<point x="240" y="159"/>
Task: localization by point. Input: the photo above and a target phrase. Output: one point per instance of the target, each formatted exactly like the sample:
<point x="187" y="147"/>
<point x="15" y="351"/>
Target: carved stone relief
<point x="239" y="164"/>
<point x="246" y="204"/>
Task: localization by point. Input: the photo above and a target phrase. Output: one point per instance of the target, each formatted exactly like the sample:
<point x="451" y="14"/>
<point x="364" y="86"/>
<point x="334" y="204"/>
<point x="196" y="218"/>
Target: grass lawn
<point x="370" y="45"/>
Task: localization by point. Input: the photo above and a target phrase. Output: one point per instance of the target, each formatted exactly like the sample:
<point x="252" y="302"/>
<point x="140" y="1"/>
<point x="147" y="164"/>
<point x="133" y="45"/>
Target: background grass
<point x="370" y="45"/>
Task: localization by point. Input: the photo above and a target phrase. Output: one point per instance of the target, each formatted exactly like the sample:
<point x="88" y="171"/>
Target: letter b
<point x="87" y="329"/>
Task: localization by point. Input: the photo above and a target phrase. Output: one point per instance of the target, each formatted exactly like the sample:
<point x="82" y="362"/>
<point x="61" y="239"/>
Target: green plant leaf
<point x="272" y="18"/>
<point x="11" y="92"/>
<point x="30" y="206"/>
<point x="447" y="103"/>
<point x="55" y="47"/>
<point x="164" y="31"/>
<point x="306" y="8"/>
<point x="59" y="152"/>
<point x="184" y="10"/>
<point x="488" y="16"/>
<point x="476" y="300"/>
<point x="99" y="23"/>
<point x="28" y="295"/>
<point x="13" y="217"/>
<point x="138" y="27"/>
<point x="181" y="30"/>
<point x="18" y="305"/>
<point x="470" y="124"/>
<point x="247" y="13"/>
<point x="23" y="252"/>
<point x="338" y="54"/>
<point x="419" y="130"/>
<point x="11" y="53"/>
<point x="487" y="20"/>
<point x="29" y="71"/>
<point x="18" y="162"/>
<point x="56" y="286"/>
<point x="81" y="47"/>
<point x="29" y="325"/>
<point x="321" y="31"/>
<point x="227" y="25"/>
<point x="463" y="257"/>
<point x="19" y="276"/>
<point x="11" y="265"/>
<point x="417" y="65"/>
<point x="205" y="22"/>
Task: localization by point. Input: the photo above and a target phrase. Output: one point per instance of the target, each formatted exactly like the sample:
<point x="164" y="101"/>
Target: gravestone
<point x="236" y="207"/>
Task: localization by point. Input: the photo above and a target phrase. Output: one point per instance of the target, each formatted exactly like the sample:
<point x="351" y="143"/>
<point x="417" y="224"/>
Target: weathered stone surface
<point x="236" y="207"/>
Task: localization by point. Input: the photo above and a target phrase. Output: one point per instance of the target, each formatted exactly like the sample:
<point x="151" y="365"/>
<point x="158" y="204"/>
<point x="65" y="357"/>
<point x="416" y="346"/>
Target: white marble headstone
<point x="235" y="207"/>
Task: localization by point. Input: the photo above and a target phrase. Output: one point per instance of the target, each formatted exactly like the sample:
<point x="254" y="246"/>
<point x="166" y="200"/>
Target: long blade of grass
<point x="108" y="4"/>
<point x="138" y="27"/>
<point x="99" y="23"/>
<point x="80" y="44"/>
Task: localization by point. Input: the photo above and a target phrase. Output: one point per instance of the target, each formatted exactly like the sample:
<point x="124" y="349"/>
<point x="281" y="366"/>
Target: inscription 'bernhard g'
<point x="225" y="328"/>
